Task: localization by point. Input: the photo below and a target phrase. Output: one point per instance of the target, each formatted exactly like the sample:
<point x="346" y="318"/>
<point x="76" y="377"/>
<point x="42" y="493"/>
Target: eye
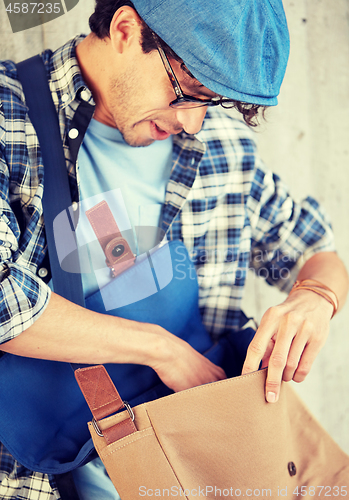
<point x="186" y="70"/>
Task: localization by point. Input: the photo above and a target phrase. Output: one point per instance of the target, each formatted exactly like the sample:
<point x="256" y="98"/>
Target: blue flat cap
<point x="236" y="48"/>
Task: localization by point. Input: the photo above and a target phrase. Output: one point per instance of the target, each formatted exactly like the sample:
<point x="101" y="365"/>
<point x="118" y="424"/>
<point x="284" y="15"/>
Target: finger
<point x="214" y="371"/>
<point x="266" y="357"/>
<point x="298" y="346"/>
<point x="212" y="375"/>
<point x="309" y="354"/>
<point x="212" y="365"/>
<point x="219" y="373"/>
<point x="259" y="344"/>
<point x="278" y="359"/>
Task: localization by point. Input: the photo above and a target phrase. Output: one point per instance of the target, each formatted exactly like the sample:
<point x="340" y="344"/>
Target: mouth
<point x="157" y="133"/>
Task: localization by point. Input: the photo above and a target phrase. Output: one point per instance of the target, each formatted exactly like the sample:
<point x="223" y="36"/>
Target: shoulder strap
<point x="56" y="198"/>
<point x="42" y="113"/>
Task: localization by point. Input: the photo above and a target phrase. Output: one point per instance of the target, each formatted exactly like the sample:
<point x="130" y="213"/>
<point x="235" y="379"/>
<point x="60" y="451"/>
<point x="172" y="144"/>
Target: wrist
<point x="143" y="343"/>
<point x="318" y="288"/>
<point x="309" y="299"/>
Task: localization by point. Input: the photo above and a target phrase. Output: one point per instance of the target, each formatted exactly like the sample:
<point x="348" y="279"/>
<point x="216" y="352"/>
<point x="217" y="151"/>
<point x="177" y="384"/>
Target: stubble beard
<point x="126" y="102"/>
<point x="123" y="97"/>
<point x="129" y="133"/>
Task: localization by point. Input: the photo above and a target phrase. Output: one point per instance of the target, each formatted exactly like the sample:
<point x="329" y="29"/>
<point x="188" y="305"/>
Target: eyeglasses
<point x="183" y="100"/>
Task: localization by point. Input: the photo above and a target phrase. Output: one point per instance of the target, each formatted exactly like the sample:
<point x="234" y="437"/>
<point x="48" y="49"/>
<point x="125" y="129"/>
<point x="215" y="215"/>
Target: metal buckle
<point x="129" y="409"/>
<point x="96" y="428"/>
<point x="95" y="424"/>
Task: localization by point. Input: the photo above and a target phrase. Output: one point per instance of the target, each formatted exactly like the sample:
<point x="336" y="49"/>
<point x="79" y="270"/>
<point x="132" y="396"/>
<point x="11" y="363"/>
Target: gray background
<point x="305" y="140"/>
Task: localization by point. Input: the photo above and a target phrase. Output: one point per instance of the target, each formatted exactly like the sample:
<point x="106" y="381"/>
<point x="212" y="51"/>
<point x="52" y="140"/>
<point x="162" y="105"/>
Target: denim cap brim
<point x="236" y="48"/>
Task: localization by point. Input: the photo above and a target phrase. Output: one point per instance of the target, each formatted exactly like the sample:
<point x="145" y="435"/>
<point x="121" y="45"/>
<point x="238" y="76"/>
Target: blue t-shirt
<point x="133" y="182"/>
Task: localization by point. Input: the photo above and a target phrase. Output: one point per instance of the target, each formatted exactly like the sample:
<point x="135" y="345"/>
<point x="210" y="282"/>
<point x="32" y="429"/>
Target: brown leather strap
<point x="103" y="400"/>
<point x="318" y="288"/>
<point x="119" y="256"/>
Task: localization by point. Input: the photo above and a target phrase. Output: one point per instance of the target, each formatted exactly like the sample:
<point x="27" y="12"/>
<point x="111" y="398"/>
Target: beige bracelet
<point x="319" y="288"/>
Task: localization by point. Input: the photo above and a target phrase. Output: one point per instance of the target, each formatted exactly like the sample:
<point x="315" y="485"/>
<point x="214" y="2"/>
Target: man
<point x="220" y="200"/>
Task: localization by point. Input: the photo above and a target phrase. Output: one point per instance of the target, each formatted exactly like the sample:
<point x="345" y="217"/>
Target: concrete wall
<point x="305" y="140"/>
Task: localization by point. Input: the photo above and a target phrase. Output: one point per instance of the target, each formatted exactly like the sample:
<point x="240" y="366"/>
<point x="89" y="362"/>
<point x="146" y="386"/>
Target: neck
<point x="92" y="55"/>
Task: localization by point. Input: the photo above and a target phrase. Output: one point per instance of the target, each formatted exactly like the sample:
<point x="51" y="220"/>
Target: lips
<point x="157" y="133"/>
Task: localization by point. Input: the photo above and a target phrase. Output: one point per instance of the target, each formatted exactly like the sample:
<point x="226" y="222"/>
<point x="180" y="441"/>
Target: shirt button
<point x="73" y="133"/>
<point x="74" y="206"/>
<point x="65" y="97"/>
<point x="43" y="272"/>
<point x="84" y="95"/>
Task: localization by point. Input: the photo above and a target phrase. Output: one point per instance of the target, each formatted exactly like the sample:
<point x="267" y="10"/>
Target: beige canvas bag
<point x="220" y="440"/>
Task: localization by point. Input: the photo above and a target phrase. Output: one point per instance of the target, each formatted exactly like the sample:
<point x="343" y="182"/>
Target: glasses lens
<point x="188" y="104"/>
<point x="227" y="104"/>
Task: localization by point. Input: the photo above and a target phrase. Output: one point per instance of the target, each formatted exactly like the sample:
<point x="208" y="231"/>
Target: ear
<point x="125" y="28"/>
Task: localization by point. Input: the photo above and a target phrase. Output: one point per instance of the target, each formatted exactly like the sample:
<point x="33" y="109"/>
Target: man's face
<point x="137" y="101"/>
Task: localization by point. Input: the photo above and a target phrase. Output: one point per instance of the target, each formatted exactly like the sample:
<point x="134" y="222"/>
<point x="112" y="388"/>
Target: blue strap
<point x="43" y="115"/>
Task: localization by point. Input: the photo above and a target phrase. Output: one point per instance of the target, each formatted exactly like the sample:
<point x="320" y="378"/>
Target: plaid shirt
<point x="230" y="211"/>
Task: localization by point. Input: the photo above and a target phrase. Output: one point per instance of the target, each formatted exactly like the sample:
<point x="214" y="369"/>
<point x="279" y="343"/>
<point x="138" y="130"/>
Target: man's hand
<point x="180" y="367"/>
<point x="289" y="338"/>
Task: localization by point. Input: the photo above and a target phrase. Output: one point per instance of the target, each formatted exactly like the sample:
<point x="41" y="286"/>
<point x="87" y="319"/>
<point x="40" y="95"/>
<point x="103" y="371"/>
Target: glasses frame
<point x="184" y="100"/>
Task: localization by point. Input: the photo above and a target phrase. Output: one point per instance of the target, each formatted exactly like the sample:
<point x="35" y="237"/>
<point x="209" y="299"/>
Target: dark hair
<point x="100" y="22"/>
<point x="101" y="19"/>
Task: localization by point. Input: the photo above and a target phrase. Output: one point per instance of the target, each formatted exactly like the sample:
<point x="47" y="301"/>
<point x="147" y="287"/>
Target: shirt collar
<point x="65" y="77"/>
<point x="190" y="142"/>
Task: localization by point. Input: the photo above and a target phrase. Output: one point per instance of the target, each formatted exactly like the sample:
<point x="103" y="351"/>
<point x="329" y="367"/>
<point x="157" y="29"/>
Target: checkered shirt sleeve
<point x="237" y="216"/>
<point x="285" y="232"/>
<point x="23" y="295"/>
<point x="19" y="483"/>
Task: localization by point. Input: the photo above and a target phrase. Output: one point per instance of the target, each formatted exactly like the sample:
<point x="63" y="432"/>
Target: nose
<point x="191" y="119"/>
